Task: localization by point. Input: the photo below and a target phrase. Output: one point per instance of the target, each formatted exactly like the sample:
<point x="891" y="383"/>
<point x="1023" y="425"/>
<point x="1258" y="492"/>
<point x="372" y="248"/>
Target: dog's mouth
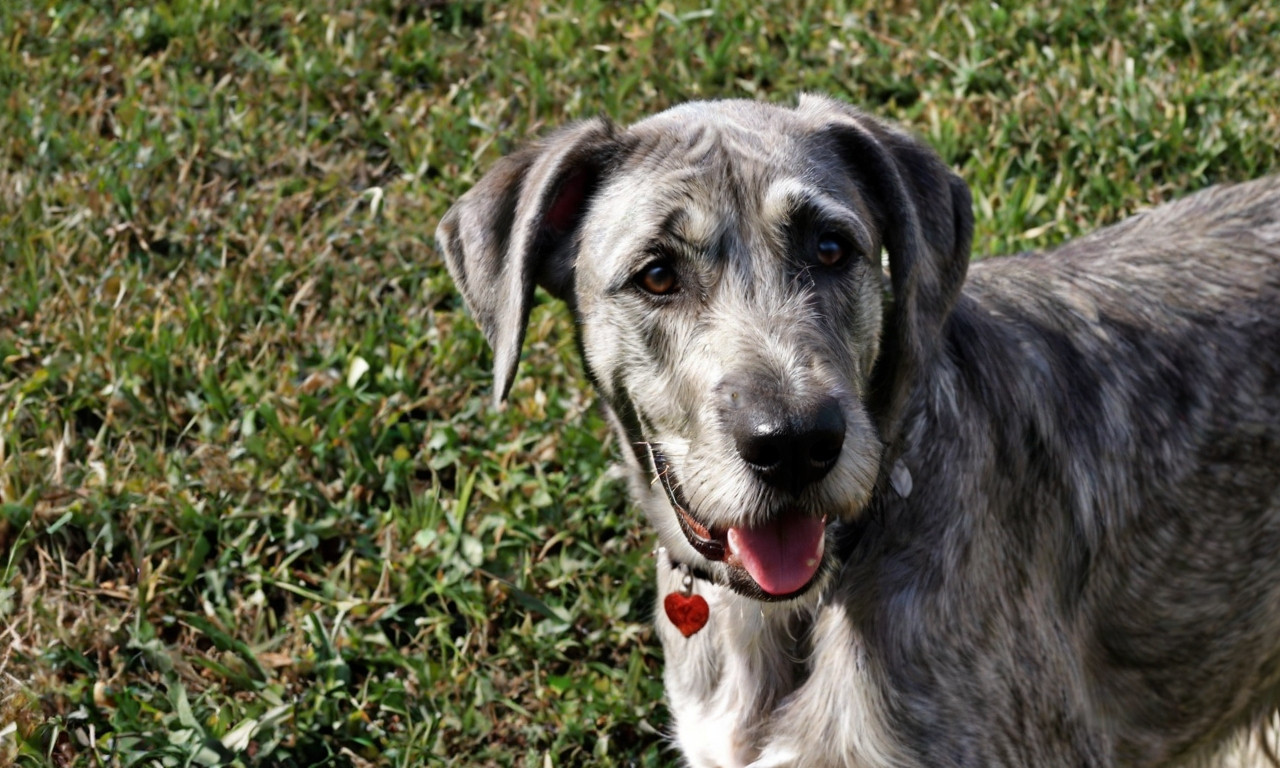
<point x="776" y="561"/>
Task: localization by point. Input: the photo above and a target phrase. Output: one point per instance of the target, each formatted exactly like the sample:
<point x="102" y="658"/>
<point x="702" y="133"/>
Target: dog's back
<point x="1134" y="374"/>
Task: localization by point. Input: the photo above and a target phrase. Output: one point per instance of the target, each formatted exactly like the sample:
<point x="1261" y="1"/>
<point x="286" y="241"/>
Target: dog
<point x="1024" y="512"/>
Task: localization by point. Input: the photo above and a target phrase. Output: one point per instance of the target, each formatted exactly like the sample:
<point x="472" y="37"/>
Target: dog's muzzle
<point x="774" y="561"/>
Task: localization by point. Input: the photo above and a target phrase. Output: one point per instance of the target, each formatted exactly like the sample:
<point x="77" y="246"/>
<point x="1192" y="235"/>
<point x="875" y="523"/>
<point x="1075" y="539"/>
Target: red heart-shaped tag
<point x="688" y="612"/>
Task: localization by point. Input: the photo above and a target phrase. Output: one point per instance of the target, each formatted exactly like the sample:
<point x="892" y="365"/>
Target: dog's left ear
<point x="516" y="229"/>
<point x="924" y="213"/>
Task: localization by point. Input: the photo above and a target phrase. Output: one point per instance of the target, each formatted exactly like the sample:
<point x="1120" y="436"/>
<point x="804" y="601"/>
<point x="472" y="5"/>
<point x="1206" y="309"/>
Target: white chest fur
<point x="762" y="684"/>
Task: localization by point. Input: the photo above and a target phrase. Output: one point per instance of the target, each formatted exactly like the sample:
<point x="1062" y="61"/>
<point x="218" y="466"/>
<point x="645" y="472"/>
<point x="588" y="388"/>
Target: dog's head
<point x="723" y="262"/>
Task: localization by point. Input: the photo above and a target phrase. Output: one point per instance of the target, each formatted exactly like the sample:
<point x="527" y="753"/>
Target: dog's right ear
<point x="517" y="228"/>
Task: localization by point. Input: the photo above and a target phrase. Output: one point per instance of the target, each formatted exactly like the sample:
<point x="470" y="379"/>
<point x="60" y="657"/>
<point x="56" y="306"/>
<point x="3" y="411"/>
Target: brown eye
<point x="831" y="249"/>
<point x="658" y="279"/>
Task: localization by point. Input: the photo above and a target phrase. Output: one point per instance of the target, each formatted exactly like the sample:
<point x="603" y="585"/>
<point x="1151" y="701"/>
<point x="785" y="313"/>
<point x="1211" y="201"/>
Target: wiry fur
<point x="1054" y="524"/>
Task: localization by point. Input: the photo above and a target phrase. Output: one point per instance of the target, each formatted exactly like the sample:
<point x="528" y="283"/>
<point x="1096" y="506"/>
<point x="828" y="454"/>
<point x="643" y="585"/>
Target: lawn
<point x="255" y="505"/>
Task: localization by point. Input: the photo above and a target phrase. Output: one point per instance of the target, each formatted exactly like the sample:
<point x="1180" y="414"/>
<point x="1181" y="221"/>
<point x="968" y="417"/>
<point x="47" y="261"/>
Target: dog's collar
<point x="689" y="573"/>
<point x="692" y="572"/>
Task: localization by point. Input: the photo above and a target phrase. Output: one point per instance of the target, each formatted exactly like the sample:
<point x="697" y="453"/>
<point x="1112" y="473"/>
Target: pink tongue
<point x="781" y="556"/>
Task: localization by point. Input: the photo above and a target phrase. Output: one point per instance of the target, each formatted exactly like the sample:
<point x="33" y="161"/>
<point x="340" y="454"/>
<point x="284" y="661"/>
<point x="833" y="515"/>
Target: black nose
<point x="789" y="449"/>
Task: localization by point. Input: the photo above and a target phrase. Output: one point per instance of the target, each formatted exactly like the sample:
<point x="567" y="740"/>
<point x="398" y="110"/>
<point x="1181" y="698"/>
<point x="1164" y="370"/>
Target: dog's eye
<point x="831" y="249"/>
<point x="657" y="278"/>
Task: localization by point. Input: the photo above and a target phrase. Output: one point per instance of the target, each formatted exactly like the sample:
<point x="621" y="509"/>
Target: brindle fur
<point x="1054" y="527"/>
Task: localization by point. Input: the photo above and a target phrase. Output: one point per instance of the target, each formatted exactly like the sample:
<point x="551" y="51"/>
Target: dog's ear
<point x="516" y="228"/>
<point x="924" y="213"/>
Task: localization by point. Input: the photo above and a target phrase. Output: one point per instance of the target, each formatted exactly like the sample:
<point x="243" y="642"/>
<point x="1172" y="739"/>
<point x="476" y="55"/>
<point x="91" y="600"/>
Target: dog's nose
<point x="791" y="450"/>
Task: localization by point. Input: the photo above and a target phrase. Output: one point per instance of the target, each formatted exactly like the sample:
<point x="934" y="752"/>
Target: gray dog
<point x="1027" y="518"/>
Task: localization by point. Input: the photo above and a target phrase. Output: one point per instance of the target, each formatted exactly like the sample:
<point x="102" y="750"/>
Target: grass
<point x="254" y="506"/>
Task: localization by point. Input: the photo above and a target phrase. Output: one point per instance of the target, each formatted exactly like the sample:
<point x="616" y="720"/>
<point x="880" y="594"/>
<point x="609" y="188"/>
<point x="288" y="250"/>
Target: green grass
<point x="254" y="506"/>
